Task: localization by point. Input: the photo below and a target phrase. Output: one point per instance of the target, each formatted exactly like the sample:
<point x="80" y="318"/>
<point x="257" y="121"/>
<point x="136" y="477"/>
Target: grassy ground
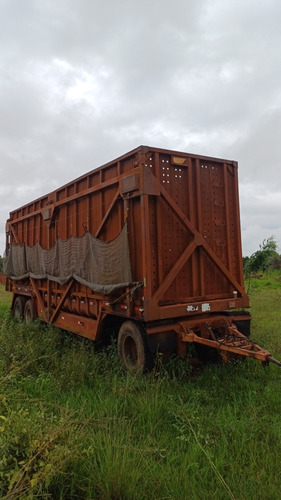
<point x="74" y="426"/>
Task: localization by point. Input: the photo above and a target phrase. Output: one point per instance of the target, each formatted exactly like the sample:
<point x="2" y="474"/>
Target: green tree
<point x="275" y="262"/>
<point x="262" y="259"/>
<point x="1" y="264"/>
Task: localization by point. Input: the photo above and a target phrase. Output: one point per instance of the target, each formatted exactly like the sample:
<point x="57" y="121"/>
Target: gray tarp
<point x="102" y="266"/>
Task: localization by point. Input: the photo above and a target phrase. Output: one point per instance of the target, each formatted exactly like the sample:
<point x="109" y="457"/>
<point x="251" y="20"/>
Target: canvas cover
<point x="102" y="266"/>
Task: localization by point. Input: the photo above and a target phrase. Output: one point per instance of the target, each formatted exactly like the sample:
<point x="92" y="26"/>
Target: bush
<point x="263" y="258"/>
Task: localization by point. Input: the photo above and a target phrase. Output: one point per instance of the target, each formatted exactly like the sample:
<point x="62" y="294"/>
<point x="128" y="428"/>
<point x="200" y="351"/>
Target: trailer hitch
<point x="224" y="336"/>
<point x="270" y="359"/>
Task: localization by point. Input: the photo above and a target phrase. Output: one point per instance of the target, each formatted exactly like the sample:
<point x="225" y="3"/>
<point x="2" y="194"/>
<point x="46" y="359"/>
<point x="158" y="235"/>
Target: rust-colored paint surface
<point x="184" y="237"/>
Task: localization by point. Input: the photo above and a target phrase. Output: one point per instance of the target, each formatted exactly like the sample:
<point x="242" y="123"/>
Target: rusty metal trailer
<point x="148" y="246"/>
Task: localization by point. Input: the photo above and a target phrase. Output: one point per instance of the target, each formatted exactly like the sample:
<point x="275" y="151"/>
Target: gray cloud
<point x="82" y="82"/>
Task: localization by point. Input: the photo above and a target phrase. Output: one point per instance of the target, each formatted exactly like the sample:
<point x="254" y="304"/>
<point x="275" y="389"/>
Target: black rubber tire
<point x="132" y="348"/>
<point x="207" y="354"/>
<point x="243" y="325"/>
<point x="29" y="311"/>
<point x="18" y="307"/>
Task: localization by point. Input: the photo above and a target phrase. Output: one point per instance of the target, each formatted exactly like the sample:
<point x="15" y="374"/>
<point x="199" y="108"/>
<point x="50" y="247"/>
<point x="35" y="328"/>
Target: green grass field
<point x="74" y="426"/>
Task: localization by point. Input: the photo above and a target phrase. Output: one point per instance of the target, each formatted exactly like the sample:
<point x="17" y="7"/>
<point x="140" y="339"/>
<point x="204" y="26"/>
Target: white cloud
<point x="84" y="81"/>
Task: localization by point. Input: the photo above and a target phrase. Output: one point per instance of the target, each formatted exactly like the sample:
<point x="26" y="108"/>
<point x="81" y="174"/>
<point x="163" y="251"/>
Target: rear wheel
<point x="18" y="307"/>
<point x="242" y="320"/>
<point x="29" y="311"/>
<point x="132" y="349"/>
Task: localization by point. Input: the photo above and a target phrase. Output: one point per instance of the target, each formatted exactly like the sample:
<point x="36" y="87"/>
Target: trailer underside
<point x="219" y="332"/>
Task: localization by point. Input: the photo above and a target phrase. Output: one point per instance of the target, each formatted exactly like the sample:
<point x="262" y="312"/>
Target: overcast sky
<point x="84" y="81"/>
